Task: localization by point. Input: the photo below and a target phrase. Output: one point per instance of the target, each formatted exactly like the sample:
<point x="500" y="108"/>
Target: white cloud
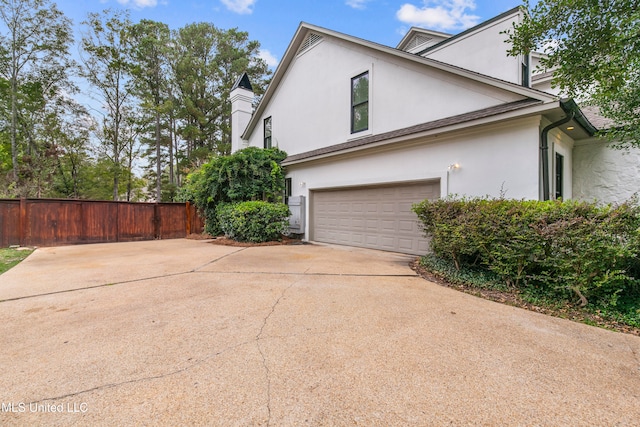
<point x="441" y="15"/>
<point x="243" y="7"/>
<point x="357" y="4"/>
<point x="139" y="4"/>
<point x="268" y="57"/>
<point x="402" y="31"/>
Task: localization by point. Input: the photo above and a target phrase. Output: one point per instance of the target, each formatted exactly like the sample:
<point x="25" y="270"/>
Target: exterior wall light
<point x="450" y="168"/>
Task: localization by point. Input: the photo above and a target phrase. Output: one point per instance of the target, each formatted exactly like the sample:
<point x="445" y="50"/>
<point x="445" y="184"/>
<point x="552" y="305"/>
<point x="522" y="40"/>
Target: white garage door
<point x="372" y="217"/>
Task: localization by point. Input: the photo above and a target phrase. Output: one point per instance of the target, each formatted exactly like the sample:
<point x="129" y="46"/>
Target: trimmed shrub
<point x="248" y="174"/>
<point x="254" y="222"/>
<point x="590" y="251"/>
<point x="571" y="250"/>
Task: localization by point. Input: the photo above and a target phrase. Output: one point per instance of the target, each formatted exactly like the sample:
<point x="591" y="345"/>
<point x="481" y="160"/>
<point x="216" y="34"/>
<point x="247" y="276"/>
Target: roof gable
<point x="472" y="30"/>
<point x="418" y="39"/>
<point x="306" y="33"/>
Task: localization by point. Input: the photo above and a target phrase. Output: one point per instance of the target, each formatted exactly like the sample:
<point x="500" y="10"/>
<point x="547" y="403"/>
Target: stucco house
<point x="370" y="130"/>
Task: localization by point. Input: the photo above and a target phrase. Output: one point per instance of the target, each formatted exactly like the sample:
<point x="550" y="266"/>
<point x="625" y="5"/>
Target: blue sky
<point x="274" y="22"/>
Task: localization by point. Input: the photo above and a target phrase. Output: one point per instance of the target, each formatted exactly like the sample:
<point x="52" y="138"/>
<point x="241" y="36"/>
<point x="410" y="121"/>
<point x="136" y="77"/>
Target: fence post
<point x="187" y="206"/>
<point x="156" y="220"/>
<point x="117" y="221"/>
<point x="22" y="222"/>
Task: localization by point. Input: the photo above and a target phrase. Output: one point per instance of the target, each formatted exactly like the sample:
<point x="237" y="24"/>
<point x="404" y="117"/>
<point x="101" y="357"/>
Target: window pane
<point x="360" y="89"/>
<point x="559" y="176"/>
<point x="267" y="132"/>
<point x="267" y="127"/>
<point x="361" y="117"/>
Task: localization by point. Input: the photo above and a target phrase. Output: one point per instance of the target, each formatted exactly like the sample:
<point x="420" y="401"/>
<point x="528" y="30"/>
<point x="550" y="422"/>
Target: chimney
<point x="241" y="111"/>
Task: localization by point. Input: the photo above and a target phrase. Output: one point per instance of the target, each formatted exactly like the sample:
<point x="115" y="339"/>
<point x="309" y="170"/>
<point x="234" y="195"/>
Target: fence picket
<point x="54" y="222"/>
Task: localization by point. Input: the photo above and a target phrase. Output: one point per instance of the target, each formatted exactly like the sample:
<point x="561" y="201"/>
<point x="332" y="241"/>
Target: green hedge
<point x="569" y="249"/>
<point x="255" y="221"/>
<point x="248" y="174"/>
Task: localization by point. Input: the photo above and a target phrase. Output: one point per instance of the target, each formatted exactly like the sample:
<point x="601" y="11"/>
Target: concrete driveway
<point x="182" y="332"/>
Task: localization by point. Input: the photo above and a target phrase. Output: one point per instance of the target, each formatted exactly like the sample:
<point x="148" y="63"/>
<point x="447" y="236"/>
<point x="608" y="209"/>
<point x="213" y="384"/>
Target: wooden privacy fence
<point x="55" y="222"/>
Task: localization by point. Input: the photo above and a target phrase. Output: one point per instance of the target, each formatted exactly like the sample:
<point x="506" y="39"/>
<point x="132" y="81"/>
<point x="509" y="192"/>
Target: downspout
<point x="544" y="151"/>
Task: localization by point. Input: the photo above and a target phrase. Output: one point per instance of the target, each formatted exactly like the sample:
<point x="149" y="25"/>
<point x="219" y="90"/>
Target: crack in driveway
<point x="264" y="358"/>
<point x="191" y="363"/>
<point x="143" y="379"/>
<point x="124" y="282"/>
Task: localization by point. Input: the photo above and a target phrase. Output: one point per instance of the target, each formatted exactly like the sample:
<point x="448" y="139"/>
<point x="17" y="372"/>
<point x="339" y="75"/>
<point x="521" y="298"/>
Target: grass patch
<point x="623" y="317"/>
<point x="10" y="257"/>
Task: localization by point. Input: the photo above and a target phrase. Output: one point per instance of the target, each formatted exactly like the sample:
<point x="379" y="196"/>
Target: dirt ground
<point x="221" y="240"/>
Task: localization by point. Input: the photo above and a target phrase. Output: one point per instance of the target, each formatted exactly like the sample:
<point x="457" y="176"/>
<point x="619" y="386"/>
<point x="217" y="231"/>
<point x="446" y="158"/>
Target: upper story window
<point x="267" y="132"/>
<point x="525" y="72"/>
<point x="360" y="102"/>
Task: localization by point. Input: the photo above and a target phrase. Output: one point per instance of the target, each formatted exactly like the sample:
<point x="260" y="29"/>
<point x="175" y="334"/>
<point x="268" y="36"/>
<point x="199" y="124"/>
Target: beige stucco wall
<point x="605" y="174"/>
<point x="310" y="108"/>
<point x="494" y="160"/>
<point x="484" y="51"/>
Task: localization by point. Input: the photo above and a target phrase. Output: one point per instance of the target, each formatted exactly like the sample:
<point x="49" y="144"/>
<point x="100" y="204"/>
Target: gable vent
<point x="418" y="40"/>
<point x="311" y="40"/>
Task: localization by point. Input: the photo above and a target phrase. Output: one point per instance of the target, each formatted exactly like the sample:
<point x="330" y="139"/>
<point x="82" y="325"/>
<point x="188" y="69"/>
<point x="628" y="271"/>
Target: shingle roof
<point x="592" y="113"/>
<point x="423" y="127"/>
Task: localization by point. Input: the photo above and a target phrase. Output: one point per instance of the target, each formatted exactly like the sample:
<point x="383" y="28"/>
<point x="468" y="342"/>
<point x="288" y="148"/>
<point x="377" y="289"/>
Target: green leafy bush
<point x="254" y="221"/>
<point x="465" y="275"/>
<point x="563" y="249"/>
<point x="248" y="174"/>
<point x="590" y="251"/>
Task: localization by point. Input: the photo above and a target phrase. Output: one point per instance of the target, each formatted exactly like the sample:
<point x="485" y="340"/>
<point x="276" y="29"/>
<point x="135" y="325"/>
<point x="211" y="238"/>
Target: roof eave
<point x="303" y="28"/>
<point x="570" y="106"/>
<point x="413" y="30"/>
<point x="538" y="108"/>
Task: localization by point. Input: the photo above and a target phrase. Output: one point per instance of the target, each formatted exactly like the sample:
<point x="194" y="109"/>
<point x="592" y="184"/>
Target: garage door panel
<point x="371" y="240"/>
<point x="388" y="226"/>
<point x="387" y="241"/>
<point x="404" y="206"/>
<point x="358" y="238"/>
<point x="372" y="217"/>
<point x="406" y="244"/>
<point x="406" y="226"/>
<point x="372" y="224"/>
<point x="388" y="208"/>
<point x="358" y="224"/>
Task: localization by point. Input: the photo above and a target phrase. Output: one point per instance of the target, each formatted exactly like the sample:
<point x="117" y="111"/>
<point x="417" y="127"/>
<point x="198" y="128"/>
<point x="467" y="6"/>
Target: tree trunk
<point x="130" y="173"/>
<point x="158" y="162"/>
<point x="171" y="136"/>
<point x="14" y="112"/>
